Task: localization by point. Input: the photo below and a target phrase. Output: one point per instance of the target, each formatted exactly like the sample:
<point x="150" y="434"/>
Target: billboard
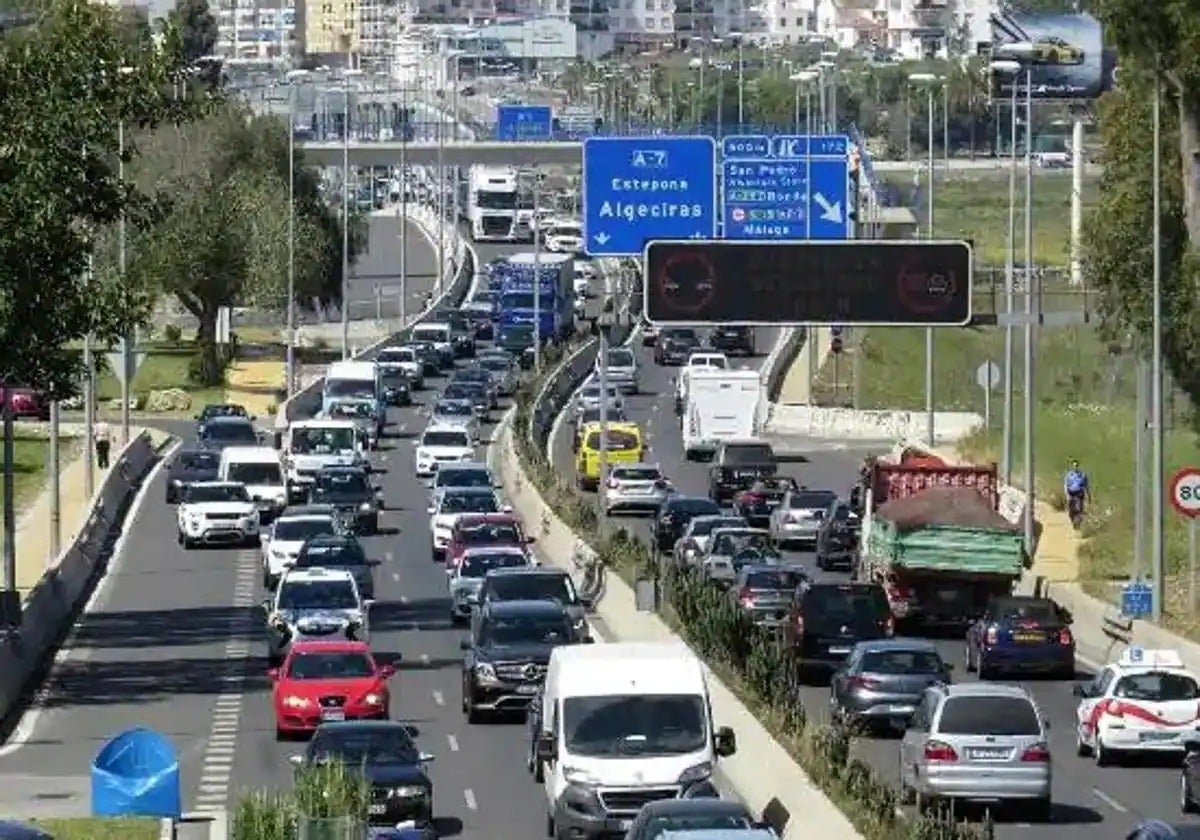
<point x="1067" y="60"/>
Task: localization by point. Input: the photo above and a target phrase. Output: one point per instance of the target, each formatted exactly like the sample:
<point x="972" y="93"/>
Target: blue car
<point x="1021" y="634"/>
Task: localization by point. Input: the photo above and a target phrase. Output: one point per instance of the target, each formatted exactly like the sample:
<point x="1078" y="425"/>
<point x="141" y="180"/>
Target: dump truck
<point x="932" y="537"/>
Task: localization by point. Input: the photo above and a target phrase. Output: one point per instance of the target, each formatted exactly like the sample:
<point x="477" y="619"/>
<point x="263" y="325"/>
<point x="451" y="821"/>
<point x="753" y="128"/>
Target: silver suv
<point x="982" y="742"/>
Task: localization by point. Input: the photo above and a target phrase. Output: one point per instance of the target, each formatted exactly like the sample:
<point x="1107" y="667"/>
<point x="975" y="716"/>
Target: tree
<point x="68" y="81"/>
<point x="223" y="241"/>
<point x="197" y="28"/>
<point x="1157" y="42"/>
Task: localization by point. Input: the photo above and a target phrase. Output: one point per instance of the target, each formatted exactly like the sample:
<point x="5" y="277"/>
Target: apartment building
<point x="255" y="30"/>
<point x="909" y="29"/>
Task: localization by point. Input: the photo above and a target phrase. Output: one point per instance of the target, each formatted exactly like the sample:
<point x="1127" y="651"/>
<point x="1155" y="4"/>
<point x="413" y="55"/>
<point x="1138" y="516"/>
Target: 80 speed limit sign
<point x="1185" y="491"/>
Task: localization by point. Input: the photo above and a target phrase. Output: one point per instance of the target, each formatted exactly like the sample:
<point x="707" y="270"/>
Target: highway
<point x="1088" y="801"/>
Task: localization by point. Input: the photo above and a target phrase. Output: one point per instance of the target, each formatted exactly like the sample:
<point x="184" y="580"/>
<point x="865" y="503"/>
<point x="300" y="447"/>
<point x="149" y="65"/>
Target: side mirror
<point x="948" y="667"/>
<point x="1046" y="725"/>
<point x="464" y="644"/>
<point x="544" y="748"/>
<point x="272" y="674"/>
<point x="724" y="742"/>
<point x="1081" y="690"/>
<point x="266" y="605"/>
<point x="388" y="670"/>
<point x="530" y="540"/>
<point x="374" y="562"/>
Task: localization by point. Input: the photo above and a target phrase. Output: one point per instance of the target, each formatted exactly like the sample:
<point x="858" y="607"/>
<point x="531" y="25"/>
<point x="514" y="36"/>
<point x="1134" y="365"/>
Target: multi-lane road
<point x="1088" y="801"/>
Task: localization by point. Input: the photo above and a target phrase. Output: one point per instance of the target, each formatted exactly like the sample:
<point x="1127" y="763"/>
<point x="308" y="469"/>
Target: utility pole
<point x="1156" y="396"/>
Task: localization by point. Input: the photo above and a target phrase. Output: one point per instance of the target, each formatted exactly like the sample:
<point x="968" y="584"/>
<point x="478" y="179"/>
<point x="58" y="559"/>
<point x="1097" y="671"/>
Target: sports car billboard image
<point x="1067" y="60"/>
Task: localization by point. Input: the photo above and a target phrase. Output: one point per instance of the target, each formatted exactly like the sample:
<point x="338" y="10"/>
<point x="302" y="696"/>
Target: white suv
<point x="283" y="539"/>
<point x="217" y="512"/>
<point x="442" y="444"/>
<point x="312" y="604"/>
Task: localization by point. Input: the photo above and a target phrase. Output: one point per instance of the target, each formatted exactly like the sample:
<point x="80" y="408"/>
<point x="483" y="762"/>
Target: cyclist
<point x="1075" y="486"/>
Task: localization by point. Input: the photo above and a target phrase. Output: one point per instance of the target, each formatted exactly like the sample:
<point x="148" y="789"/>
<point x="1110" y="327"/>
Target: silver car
<point x="731" y="548"/>
<point x="503" y="372"/>
<point x="467" y="577"/>
<point x="693" y="544"/>
<point x="798" y="517"/>
<point x="621" y="370"/>
<point x="883" y="680"/>
<point x="589" y="397"/>
<point x="635" y="487"/>
<point x="978" y="741"/>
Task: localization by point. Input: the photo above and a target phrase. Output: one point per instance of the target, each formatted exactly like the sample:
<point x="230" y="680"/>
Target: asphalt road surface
<point x="1088" y="801"/>
<point x="375" y="280"/>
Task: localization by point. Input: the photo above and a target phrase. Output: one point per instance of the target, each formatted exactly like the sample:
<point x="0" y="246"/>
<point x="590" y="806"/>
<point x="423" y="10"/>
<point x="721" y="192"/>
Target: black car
<point x="732" y="340"/>
<point x="505" y="658"/>
<point x="737" y="465"/>
<point x="462" y="330"/>
<point x="757" y="502"/>
<point x="215" y="410"/>
<point x="837" y="538"/>
<point x="517" y="339"/>
<point x="480" y="376"/>
<point x="339" y="551"/>
<point x="537" y="583"/>
<point x="384" y="751"/>
<point x="675" y="344"/>
<point x="431" y="360"/>
<point x="349" y="490"/>
<point x="675" y="514"/>
<point x="20" y="831"/>
<point x="688" y="815"/>
<point x="190" y="465"/>
<point x="827" y="620"/>
<point x="476" y="392"/>
<point x="397" y="390"/>
<point x="217" y="433"/>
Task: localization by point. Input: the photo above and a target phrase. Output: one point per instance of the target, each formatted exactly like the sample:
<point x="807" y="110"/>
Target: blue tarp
<point x="136" y="774"/>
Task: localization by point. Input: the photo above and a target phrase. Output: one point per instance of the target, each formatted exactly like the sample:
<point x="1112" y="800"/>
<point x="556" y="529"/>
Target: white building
<point x="255" y="29"/>
<point x="911" y="29"/>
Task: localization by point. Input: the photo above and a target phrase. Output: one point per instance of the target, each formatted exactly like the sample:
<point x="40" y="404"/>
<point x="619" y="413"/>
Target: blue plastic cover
<point x="136" y="774"/>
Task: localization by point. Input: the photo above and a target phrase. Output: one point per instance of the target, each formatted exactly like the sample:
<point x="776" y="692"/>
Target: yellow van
<point x="625" y="446"/>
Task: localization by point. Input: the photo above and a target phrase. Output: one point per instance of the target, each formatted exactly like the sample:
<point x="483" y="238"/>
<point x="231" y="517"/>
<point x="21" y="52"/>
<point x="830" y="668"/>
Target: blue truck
<point x="556" y="293"/>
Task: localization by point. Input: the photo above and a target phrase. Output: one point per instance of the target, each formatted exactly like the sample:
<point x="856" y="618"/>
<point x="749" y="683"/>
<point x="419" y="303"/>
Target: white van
<point x="697" y="361"/>
<point x="312" y="445"/>
<point x="261" y="470"/>
<point x="439" y="335"/>
<point x="631" y="723"/>
<point x="721" y="405"/>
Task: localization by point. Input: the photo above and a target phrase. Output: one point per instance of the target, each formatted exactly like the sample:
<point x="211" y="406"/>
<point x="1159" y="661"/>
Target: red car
<point x="26" y="404"/>
<point x="328" y="681"/>
<point x="483" y="529"/>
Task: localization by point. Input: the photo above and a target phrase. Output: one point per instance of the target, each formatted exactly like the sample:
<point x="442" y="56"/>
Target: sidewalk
<point x="795" y="389"/>
<point x="256" y="385"/>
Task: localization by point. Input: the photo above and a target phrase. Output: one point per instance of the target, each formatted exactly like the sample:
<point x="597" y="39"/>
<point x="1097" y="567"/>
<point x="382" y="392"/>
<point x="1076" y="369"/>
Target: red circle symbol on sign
<point x="924" y="290"/>
<point x="738" y="214"/>
<point x="1184" y="490"/>
<point x="686" y="282"/>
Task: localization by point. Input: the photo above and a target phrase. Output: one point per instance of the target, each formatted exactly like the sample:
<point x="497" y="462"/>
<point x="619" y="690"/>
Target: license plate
<point x="626" y="824"/>
<point x="1157" y="736"/>
<point x="839" y="650"/>
<point x="377" y="810"/>
<point x="988" y="755"/>
<point x="333" y="714"/>
<point x="527" y="689"/>
<point x="901" y="710"/>
<point x="947" y="594"/>
<point x="1029" y="638"/>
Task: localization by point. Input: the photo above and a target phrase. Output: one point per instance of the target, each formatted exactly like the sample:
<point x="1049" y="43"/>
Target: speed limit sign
<point x="1185" y="491"/>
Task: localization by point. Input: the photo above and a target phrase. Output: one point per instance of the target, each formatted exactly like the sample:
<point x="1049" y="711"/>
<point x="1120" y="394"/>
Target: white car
<point x="282" y="540"/>
<point x="314" y="604"/>
<point x="1145" y="702"/>
<point x="589" y="396"/>
<point x="217" y="512"/>
<point x="564" y="238"/>
<point x="442" y="444"/>
<point x="450" y="503"/>
<point x="585" y="273"/>
<point x="406" y="359"/>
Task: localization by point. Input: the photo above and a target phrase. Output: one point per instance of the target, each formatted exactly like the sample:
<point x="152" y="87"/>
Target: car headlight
<point x="373" y="699"/>
<point x="293" y="702"/>
<point x="407" y="791"/>
<point x="696" y="773"/>
<point x="484" y="672"/>
<point x="579" y="776"/>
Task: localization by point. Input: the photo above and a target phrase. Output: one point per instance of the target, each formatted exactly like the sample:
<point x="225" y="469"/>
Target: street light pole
<point x="1030" y="488"/>
<point x="293" y="78"/>
<point x="1156" y="389"/>
<point x="930" y="81"/>
<point x="1013" y="70"/>
<point x="405" y="127"/>
<point x="346" y="215"/>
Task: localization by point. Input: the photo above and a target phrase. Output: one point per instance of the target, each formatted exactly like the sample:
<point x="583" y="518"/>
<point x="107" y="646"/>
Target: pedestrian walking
<point x="103" y="437"/>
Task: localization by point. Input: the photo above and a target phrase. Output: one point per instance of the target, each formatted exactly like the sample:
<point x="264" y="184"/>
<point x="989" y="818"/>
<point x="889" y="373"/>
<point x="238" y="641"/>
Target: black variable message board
<point x="855" y="282"/>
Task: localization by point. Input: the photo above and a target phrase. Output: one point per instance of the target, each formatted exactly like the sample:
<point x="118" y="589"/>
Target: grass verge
<point x="166" y="365"/>
<point x="95" y="828"/>
<point x="760" y="672"/>
<point x="29" y="469"/>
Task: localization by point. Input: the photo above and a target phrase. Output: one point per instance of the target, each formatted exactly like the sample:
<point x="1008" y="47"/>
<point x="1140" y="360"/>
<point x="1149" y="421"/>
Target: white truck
<point x="311" y="445"/>
<point x="492" y="204"/>
<point x="721" y="405"/>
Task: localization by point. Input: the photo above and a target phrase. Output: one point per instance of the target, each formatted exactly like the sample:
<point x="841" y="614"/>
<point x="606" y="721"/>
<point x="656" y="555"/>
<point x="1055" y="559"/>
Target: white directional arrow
<point x="602" y="238"/>
<point x="829" y="212"/>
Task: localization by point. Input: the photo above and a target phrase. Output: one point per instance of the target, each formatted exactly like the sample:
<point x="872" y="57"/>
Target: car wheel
<point x="189" y="543"/>
<point x="986" y="672"/>
<point x="1186" y="804"/>
<point x="1104" y="756"/>
<point x="282" y="735"/>
<point x="1040" y="810"/>
<point x="1081" y="748"/>
<point x="907" y="794"/>
<point x="551" y="827"/>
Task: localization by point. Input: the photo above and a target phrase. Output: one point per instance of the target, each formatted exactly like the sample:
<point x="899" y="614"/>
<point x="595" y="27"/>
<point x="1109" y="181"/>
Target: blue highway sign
<point x="524" y="122"/>
<point x="1137" y="600"/>
<point x="636" y="189"/>
<point x="786" y="187"/>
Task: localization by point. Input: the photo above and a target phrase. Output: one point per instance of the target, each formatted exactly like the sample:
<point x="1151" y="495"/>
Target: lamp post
<point x="1156" y="396"/>
<point x="806" y="78"/>
<point x="1012" y="70"/>
<point x="130" y="337"/>
<point x="741" y="79"/>
<point x="604" y="323"/>
<point x="829" y="64"/>
<point x="347" y="75"/>
<point x="930" y="82"/>
<point x="294" y="77"/>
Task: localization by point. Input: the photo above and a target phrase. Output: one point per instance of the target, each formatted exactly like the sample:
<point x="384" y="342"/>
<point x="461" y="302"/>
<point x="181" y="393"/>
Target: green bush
<point x="758" y="667"/>
<point x="321" y="792"/>
<point x="173" y="333"/>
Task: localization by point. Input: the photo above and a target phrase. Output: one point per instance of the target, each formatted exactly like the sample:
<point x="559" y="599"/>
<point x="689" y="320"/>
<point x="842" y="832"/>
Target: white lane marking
<point x="388" y="557"/>
<point x="469" y="796"/>
<point x="438" y="698"/>
<point x="453" y="742"/>
<point x="1109" y="801"/>
<point x="396" y="577"/>
<point x="23" y="732"/>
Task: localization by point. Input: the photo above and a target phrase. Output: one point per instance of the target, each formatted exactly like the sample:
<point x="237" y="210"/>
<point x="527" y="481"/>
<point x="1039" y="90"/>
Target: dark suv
<point x="675" y="514"/>
<point x="339" y="551"/>
<point x="536" y="583"/>
<point x="827" y="620"/>
<point x="737" y="465"/>
<point x="730" y="340"/>
<point x="349" y="490"/>
<point x="505" y="659"/>
<point x="837" y="539"/>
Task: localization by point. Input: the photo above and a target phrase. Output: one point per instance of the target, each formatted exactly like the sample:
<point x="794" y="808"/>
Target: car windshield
<point x="523" y="587"/>
<point x="469" y="503"/>
<point x="618" y="441"/>
<point x="850" y="605"/>
<point x="704" y="526"/>
<point x="1042" y="611"/>
<point x="634" y="725"/>
<point x="620" y="358"/>
<point x="592" y="415"/>
<point x="198" y="493"/>
<point x="464" y="390"/>
<point x="750" y="453"/>
<point x="636" y="473"/>
<point x="692" y="507"/>
<point x="453" y="408"/>
<point x="299" y="530"/>
<point x="709" y="361"/>
<point x="368" y="745"/>
<point x="496" y="364"/>
<point x="449" y="438"/>
<point x="340" y="665"/>
<point x="211" y="411"/>
<point x="901" y="662"/>
<point x="339" y="553"/>
<point x="392" y="357"/>
<point x="255" y="473"/>
<point x="342" y="483"/>
<point x="322" y="441"/>
<point x="1157" y="687"/>
<point x="433" y="335"/>
<point x="524" y="630"/>
<point x="501" y="533"/>
<point x="982" y="715"/>
<point x="199" y="461"/>
<point x="782" y="579"/>
<point x="317" y="595"/>
<point x="463" y="478"/>
<point x="811" y="501"/>
<point x="355" y="388"/>
<point x="730" y="543"/>
<point x="476" y="565"/>
<point x="234" y="431"/>
<point x="680" y="333"/>
<point x="657" y="826"/>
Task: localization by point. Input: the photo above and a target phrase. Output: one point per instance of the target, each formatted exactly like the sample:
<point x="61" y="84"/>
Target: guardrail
<point x="777" y="363"/>
<point x="52" y="605"/>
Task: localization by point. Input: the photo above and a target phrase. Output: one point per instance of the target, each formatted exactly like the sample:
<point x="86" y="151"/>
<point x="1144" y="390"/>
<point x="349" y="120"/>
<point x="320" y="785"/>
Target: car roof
<point x="906" y="644"/>
<point x="445" y="427"/>
<point x="216" y="484"/>
<point x="503" y="609"/>
<point x="685" y="807"/>
<point x="313" y="574"/>
<point x="985" y="689"/>
<point x="488" y="518"/>
<point x="640" y="465"/>
<point x="527" y="570"/>
<point x="330" y="646"/>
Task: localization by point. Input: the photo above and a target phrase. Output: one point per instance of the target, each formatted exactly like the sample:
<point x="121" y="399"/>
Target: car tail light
<point x="897" y="591"/>
<point x="745" y="598"/>
<point x="1065" y="637"/>
<point x="991" y="636"/>
<point x="862" y="682"/>
<point x="940" y="751"/>
<point x="750" y="498"/>
<point x="798" y="625"/>
<point x="1037" y="754"/>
